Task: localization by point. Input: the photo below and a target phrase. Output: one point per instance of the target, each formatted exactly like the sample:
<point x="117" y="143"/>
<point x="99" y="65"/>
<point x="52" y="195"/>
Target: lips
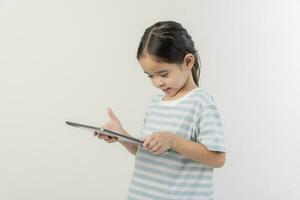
<point x="165" y="90"/>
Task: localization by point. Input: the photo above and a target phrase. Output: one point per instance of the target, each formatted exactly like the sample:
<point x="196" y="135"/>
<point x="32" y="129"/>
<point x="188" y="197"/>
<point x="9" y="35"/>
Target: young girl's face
<point x="170" y="78"/>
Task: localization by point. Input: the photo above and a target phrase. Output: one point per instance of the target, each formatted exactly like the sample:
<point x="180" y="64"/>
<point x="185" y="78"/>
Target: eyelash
<point x="164" y="75"/>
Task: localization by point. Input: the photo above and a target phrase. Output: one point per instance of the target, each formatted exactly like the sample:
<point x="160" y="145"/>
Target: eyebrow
<point x="158" y="72"/>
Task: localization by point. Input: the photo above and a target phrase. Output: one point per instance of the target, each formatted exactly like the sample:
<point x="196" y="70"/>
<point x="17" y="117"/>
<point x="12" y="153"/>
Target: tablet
<point x="103" y="131"/>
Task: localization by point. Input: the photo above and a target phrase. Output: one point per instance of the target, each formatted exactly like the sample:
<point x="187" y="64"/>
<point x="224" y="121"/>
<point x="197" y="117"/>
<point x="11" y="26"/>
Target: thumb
<point x="112" y="115"/>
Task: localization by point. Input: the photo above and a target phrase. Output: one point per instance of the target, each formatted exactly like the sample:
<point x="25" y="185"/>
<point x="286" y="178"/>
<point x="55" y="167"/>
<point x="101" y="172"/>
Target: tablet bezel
<point x="119" y="136"/>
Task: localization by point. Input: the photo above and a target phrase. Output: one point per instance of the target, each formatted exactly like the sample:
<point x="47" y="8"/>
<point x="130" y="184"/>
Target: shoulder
<point x="202" y="97"/>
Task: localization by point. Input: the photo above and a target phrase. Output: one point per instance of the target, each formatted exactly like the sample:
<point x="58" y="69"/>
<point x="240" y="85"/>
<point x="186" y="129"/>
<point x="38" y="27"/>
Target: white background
<point x="71" y="60"/>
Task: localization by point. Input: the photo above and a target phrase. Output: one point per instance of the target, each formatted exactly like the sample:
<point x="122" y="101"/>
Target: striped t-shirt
<point x="170" y="175"/>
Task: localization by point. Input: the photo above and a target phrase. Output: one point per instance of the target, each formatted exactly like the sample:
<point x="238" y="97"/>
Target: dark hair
<point x="169" y="42"/>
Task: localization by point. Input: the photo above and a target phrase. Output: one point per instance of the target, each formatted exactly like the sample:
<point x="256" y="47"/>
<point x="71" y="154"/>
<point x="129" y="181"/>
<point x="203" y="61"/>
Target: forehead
<point x="151" y="65"/>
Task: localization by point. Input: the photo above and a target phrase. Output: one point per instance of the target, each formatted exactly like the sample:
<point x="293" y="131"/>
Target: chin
<point x="171" y="93"/>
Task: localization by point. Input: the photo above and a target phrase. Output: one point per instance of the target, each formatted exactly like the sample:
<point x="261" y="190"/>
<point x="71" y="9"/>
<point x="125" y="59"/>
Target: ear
<point x="188" y="61"/>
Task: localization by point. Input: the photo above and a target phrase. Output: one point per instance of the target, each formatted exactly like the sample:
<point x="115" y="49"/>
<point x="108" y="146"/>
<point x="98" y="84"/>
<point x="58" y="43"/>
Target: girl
<point x="182" y="130"/>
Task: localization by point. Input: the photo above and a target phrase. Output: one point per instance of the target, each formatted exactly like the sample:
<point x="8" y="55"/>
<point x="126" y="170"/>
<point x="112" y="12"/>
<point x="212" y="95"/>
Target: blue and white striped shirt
<point x="170" y="175"/>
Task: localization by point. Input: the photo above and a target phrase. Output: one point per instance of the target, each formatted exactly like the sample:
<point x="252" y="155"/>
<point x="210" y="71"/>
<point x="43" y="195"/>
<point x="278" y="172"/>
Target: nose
<point x="158" y="82"/>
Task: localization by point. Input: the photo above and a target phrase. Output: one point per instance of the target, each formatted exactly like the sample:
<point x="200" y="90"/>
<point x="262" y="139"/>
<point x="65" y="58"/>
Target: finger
<point x="106" y="137"/>
<point x="148" y="140"/>
<point x="105" y="125"/>
<point x="110" y="140"/>
<point x="112" y="115"/>
<point x="154" y="145"/>
<point x="101" y="136"/>
<point x="159" y="150"/>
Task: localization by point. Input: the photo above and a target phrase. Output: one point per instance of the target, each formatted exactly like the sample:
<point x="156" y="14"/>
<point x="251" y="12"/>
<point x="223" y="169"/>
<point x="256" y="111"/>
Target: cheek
<point x="152" y="81"/>
<point x="169" y="82"/>
<point x="181" y="79"/>
<point x="174" y="81"/>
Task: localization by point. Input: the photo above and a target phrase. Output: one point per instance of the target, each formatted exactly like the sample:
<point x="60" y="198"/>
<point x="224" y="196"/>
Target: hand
<point x="159" y="142"/>
<point x="113" y="125"/>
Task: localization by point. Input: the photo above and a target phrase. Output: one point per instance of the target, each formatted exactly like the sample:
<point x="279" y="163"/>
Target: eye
<point x="162" y="75"/>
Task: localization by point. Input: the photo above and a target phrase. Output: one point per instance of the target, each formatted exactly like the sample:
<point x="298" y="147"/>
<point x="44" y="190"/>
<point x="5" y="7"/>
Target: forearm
<point x="132" y="148"/>
<point x="198" y="152"/>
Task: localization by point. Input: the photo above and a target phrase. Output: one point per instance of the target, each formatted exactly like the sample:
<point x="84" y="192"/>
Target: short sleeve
<point x="145" y="119"/>
<point x="142" y="131"/>
<point x="209" y="131"/>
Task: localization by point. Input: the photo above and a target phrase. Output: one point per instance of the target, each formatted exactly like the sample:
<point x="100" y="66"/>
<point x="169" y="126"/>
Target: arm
<point x="132" y="148"/>
<point x="116" y="125"/>
<point x="161" y="141"/>
<point x="197" y="152"/>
